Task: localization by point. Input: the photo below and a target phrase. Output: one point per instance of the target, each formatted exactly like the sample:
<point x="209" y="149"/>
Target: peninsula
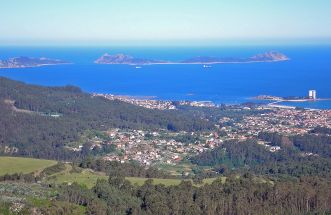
<point x="26" y="62"/>
<point x="129" y="60"/>
<point x="275" y="101"/>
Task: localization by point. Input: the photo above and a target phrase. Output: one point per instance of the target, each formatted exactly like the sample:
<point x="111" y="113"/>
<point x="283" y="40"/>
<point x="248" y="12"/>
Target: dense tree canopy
<point x="290" y="161"/>
<point x="242" y="195"/>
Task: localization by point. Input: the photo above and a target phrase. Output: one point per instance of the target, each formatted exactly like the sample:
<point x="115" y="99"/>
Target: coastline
<point x="276" y="104"/>
<point x="154" y="102"/>
<point x="36" y="66"/>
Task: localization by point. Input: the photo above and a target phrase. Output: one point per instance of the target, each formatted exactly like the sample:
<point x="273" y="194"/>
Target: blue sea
<point x="309" y="68"/>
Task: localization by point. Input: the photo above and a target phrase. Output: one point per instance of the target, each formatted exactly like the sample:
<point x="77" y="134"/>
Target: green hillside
<point x="11" y="165"/>
<point x="41" y="121"/>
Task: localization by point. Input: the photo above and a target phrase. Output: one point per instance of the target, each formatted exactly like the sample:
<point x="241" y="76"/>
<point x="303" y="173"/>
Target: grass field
<point x="11" y="165"/>
<point x="166" y="182"/>
<point x="141" y="181"/>
<point x="89" y="178"/>
<point x="86" y="177"/>
<point x="177" y="169"/>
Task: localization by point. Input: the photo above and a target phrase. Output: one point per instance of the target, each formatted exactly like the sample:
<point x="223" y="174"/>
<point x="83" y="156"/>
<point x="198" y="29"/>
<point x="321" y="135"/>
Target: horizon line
<point x="179" y="42"/>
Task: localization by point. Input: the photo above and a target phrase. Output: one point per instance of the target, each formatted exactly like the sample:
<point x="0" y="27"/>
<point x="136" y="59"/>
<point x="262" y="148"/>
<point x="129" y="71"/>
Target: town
<point x="149" y="103"/>
<point x="163" y="147"/>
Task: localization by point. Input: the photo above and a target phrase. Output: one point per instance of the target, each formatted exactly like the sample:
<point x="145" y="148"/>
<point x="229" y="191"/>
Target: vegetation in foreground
<point x="69" y="189"/>
<point x="57" y="173"/>
<point x="44" y="122"/>
<point x="237" y="195"/>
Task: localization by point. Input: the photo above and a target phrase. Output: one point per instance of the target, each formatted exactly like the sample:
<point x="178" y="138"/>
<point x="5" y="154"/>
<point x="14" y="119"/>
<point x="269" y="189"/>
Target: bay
<point x="309" y="68"/>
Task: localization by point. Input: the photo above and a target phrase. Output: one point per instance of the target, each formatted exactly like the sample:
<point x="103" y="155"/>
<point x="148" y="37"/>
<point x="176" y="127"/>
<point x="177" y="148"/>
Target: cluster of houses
<point x="164" y="147"/>
<point x="284" y="121"/>
<point x="142" y="102"/>
<point x="154" y="104"/>
<point x="156" y="147"/>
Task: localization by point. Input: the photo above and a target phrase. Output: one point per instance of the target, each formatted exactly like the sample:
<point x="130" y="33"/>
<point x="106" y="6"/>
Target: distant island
<point x="126" y="59"/>
<point x="129" y="60"/>
<point x="26" y="62"/>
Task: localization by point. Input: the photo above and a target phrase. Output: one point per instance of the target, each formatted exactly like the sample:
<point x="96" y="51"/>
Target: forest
<point x="237" y="195"/>
<point x="39" y="121"/>
<point x="300" y="156"/>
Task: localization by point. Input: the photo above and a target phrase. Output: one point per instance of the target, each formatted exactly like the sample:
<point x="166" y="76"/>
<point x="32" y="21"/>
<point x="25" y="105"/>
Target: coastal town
<point x="169" y="148"/>
<point x="278" y="120"/>
<point x="151" y="103"/>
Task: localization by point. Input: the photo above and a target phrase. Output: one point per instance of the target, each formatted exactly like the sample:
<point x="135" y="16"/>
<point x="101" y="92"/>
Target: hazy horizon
<point x="172" y="44"/>
<point x="155" y="23"/>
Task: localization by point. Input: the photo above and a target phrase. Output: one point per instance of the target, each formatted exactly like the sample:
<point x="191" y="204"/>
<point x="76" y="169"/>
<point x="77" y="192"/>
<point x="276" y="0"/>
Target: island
<point x="265" y="57"/>
<point x="27" y="62"/>
<point x="271" y="56"/>
<point x="126" y="59"/>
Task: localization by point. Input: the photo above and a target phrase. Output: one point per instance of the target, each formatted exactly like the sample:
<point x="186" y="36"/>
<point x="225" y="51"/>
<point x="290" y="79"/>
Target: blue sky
<point x="163" y="21"/>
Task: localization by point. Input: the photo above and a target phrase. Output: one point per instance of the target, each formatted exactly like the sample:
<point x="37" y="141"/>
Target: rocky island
<point x="129" y="60"/>
<point x="26" y="62"/>
<point x="126" y="59"/>
<point x="265" y="57"/>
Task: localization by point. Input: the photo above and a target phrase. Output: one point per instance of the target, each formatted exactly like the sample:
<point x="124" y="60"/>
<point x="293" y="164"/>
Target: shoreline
<point x="276" y="104"/>
<point x="36" y="66"/>
<point x="278" y="99"/>
<point x="295" y="100"/>
<point x="202" y="103"/>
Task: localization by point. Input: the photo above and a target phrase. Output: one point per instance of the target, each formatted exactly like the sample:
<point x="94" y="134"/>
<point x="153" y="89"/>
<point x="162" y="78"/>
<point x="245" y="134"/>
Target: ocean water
<point x="309" y="68"/>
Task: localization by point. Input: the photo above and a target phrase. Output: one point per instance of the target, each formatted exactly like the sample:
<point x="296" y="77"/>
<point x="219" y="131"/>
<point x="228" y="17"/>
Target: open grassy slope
<point x="86" y="177"/>
<point x="166" y="182"/>
<point x="11" y="165"/>
<point x="89" y="178"/>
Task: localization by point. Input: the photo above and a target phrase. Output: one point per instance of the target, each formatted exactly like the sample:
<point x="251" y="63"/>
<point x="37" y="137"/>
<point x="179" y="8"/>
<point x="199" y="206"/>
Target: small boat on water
<point x="207" y="66"/>
<point x="138" y="67"/>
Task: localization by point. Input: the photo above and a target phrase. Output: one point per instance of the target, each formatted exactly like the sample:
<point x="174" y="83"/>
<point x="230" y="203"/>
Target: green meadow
<point x="167" y="182"/>
<point x="89" y="178"/>
<point x="86" y="178"/>
<point x="11" y="165"/>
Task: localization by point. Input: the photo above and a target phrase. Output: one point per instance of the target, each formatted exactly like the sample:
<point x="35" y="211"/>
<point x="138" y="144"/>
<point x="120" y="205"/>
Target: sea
<point x="309" y="68"/>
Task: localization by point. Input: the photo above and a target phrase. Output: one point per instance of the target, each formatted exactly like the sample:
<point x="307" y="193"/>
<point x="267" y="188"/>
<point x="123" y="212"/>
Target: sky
<point x="27" y="22"/>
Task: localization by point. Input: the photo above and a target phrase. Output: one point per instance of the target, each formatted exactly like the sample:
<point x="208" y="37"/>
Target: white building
<point x="312" y="94"/>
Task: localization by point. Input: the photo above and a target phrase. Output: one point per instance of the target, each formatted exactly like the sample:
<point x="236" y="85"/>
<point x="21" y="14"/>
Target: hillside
<point x="39" y="121"/>
<point x="11" y="165"/>
<point x="245" y="194"/>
